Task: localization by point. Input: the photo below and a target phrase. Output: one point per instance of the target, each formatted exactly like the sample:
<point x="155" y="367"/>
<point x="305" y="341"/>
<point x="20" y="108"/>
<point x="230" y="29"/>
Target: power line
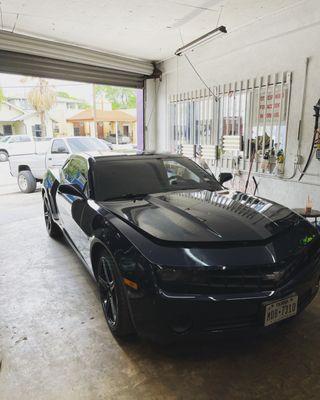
<point x="15" y="23"/>
<point x="218" y="20"/>
<point x="194" y="68"/>
<point x="200" y="77"/>
<point x="33" y="86"/>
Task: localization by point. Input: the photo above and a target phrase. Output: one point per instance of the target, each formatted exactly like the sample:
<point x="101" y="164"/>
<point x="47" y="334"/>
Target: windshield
<point x="78" y="145"/>
<point x="4" y="138"/>
<point x="119" y="178"/>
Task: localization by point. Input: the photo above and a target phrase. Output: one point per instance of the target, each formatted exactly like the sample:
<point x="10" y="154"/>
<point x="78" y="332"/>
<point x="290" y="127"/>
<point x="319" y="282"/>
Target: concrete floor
<point x="54" y="342"/>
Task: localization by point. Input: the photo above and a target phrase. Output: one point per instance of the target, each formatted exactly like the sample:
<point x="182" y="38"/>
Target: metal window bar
<point x="251" y="113"/>
<point x="265" y="112"/>
<point x="279" y="117"/>
<point x="250" y="109"/>
<point x="272" y="108"/>
<point x="288" y="82"/>
<point x="256" y="143"/>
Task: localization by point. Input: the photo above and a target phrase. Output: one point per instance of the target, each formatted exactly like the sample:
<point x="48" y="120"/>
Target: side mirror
<point x="72" y="190"/>
<point x="225" y="177"/>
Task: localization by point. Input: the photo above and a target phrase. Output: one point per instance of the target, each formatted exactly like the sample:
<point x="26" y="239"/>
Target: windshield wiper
<point x="129" y="196"/>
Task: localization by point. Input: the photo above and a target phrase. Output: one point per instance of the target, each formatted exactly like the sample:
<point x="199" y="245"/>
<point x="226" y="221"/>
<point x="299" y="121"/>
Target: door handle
<point x="50" y="159"/>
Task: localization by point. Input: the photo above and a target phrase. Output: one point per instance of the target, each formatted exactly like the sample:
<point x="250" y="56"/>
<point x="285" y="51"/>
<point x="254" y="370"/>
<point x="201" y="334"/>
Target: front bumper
<point x="169" y="315"/>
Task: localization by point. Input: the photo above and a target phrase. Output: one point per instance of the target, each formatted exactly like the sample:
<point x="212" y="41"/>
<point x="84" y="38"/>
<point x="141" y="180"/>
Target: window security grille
<point x="256" y="110"/>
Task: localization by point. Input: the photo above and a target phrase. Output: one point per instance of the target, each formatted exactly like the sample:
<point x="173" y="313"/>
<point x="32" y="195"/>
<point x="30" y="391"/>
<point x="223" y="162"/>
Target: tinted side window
<point x="58" y="146"/>
<point x="76" y="172"/>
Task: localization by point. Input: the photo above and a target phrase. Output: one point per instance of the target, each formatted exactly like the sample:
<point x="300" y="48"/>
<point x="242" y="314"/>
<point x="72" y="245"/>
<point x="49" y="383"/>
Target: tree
<point x="119" y="97"/>
<point x="42" y="98"/>
<point x="65" y="95"/>
<point x="2" y="96"/>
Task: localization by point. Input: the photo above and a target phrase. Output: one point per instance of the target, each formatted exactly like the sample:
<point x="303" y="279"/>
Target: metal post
<point x="245" y="123"/>
<point x="272" y="109"/>
<point x="200" y="119"/>
<point x="280" y="112"/>
<point x="239" y="109"/>
<point x="251" y="114"/>
<point x="233" y="107"/>
<point x="94" y="110"/>
<point x="265" y="115"/>
<point x="117" y="138"/>
<point x="140" y="117"/>
<point x="208" y="119"/>
<point x="288" y="83"/>
<point x="256" y="147"/>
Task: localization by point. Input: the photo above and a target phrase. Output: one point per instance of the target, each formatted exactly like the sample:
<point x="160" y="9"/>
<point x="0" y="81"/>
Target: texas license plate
<point x="280" y="309"/>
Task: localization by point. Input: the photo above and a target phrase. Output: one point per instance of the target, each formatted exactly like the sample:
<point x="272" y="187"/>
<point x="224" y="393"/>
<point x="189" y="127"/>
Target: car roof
<point x="129" y="156"/>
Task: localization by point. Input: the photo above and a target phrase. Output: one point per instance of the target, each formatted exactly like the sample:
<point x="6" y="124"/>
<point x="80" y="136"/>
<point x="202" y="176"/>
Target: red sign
<point x="270" y="108"/>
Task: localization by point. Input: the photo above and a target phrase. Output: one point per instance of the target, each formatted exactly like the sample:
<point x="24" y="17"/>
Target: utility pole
<point x="94" y="110"/>
<point x="117" y="134"/>
<point x="42" y="112"/>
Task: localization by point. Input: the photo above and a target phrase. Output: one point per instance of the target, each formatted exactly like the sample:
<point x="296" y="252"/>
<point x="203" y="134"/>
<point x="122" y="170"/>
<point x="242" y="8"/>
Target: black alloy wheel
<point x="52" y="228"/>
<point x="108" y="294"/>
<point x="113" y="296"/>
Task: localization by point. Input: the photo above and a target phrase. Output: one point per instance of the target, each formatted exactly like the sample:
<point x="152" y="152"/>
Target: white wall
<point x="278" y="43"/>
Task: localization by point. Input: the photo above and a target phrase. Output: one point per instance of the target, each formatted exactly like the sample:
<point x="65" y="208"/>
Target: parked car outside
<point x="30" y="168"/>
<point x="174" y="253"/>
<point x="122" y="139"/>
<point x="4" y="138"/>
<point x="15" y="144"/>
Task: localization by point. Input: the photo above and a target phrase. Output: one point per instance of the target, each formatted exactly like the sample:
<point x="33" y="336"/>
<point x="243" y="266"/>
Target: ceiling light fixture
<point x="201" y="40"/>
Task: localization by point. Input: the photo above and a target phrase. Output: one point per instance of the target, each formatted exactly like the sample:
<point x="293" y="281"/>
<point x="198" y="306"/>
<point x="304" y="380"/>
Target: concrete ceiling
<point x="146" y="29"/>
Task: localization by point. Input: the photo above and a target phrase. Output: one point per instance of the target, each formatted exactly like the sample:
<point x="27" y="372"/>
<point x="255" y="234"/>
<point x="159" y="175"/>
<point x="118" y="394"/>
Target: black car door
<point x="70" y="207"/>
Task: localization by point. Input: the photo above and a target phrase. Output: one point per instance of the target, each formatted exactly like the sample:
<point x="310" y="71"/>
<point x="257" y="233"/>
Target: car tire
<point x="3" y="156"/>
<point x="113" y="296"/>
<point x="52" y="228"/>
<point x="27" y="182"/>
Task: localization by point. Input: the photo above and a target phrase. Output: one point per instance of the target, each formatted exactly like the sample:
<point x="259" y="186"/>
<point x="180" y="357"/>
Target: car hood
<point x="204" y="216"/>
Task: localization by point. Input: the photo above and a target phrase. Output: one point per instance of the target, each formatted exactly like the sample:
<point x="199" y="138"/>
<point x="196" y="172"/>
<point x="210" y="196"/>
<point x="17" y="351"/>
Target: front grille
<point x="233" y="279"/>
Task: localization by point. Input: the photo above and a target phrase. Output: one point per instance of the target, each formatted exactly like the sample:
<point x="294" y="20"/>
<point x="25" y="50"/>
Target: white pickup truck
<point x="30" y="168"/>
<point x="16" y="144"/>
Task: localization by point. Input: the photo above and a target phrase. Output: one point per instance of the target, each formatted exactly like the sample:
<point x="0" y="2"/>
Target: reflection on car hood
<point x="204" y="216"/>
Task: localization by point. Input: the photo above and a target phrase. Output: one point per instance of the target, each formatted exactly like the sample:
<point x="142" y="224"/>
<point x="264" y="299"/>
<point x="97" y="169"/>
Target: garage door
<point x="25" y="55"/>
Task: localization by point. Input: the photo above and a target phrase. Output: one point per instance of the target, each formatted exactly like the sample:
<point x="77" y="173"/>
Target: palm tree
<point x="2" y="96"/>
<point x="42" y="98"/>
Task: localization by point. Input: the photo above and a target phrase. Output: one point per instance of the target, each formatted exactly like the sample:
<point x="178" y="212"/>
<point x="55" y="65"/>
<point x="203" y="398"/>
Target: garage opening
<point x="82" y="92"/>
<point x="43" y="108"/>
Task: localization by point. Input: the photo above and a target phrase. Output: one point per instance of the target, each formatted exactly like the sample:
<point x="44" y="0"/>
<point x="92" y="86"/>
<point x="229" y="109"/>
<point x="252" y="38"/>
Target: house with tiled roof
<point x="113" y="125"/>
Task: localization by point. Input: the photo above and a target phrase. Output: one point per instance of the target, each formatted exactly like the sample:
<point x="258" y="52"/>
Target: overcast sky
<point x="17" y="85"/>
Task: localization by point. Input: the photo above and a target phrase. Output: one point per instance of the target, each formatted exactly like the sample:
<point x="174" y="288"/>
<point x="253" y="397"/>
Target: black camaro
<point x="174" y="252"/>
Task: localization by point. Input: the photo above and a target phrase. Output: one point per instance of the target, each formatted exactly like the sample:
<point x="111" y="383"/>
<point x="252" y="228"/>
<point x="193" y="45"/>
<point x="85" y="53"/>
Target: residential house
<point x="14" y="120"/>
<point x="112" y="125"/>
<point x="64" y="108"/>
